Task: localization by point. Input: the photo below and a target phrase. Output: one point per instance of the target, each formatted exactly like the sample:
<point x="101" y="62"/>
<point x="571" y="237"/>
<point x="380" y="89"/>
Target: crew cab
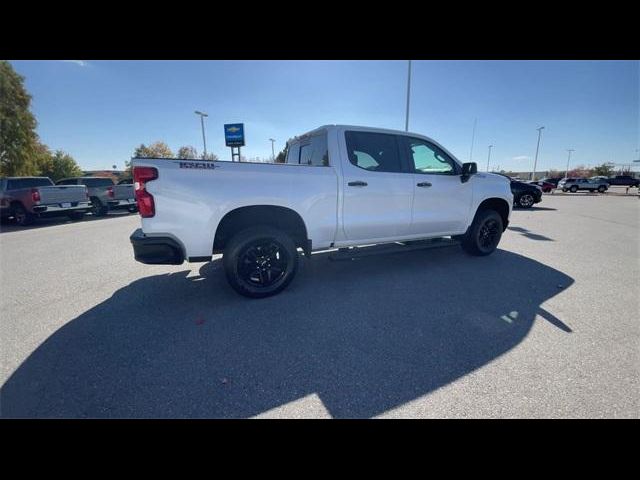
<point x="27" y="198"/>
<point x="104" y="194"/>
<point x="340" y="186"/>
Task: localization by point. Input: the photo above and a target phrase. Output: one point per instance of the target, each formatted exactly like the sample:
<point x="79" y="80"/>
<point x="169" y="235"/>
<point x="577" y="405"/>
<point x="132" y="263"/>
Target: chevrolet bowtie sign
<point x="234" y="134"/>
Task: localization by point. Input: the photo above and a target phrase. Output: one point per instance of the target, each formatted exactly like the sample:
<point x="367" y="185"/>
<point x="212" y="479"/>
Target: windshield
<point x="17" y="183"/>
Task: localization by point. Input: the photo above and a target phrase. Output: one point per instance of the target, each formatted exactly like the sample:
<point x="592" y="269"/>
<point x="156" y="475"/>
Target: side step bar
<point x="352" y="253"/>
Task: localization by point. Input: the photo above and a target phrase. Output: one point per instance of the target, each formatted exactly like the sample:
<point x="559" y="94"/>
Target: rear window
<point x="97" y="182"/>
<point x="17" y="183"/>
<point x="310" y="150"/>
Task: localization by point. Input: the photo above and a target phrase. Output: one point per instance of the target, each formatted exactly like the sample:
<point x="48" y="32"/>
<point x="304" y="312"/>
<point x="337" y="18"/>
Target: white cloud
<point x="80" y="63"/>
<point x="521" y="158"/>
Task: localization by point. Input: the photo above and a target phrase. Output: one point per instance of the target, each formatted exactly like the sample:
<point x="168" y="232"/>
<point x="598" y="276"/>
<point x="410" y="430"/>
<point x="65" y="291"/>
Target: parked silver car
<point x="574" y="184"/>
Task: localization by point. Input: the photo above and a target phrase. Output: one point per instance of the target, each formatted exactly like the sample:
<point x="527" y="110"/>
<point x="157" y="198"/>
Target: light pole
<point x="273" y="154"/>
<point x="566" y="173"/>
<point x="535" y="162"/>
<point x="204" y="140"/>
<point x="489" y="157"/>
<point x="406" y="122"/>
<point x="473" y="137"/>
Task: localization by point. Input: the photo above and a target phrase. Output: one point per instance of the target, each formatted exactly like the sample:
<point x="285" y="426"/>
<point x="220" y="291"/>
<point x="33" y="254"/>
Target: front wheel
<point x="601" y="188"/>
<point x="97" y="208"/>
<point x="526" y="200"/>
<point x="573" y="189"/>
<point x="484" y="234"/>
<point x="260" y="262"/>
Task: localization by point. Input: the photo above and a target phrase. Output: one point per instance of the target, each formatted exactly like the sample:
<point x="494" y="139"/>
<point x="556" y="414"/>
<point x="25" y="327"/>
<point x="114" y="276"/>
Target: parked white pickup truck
<point x="341" y="186"/>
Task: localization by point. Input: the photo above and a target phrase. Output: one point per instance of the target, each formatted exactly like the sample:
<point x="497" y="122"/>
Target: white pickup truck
<point x="340" y="186"/>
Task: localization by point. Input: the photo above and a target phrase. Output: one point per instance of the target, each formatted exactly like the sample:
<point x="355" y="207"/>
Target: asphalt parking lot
<point x="548" y="326"/>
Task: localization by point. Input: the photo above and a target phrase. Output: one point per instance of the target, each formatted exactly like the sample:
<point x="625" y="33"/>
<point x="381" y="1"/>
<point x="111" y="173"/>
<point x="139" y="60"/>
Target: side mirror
<point x="468" y="169"/>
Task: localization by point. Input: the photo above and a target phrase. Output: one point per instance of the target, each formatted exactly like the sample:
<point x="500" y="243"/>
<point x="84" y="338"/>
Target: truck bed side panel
<point x="190" y="202"/>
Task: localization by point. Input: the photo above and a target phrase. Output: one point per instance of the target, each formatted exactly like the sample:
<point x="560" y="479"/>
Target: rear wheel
<point x="602" y="188"/>
<point x="484" y="234"/>
<point x="260" y="262"/>
<point x="22" y="216"/>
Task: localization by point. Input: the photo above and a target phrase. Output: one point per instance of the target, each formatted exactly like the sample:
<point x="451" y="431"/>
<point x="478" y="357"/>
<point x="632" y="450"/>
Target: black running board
<point x="352" y="253"/>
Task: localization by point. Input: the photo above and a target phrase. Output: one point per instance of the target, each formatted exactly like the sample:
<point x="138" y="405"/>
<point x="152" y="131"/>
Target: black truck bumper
<point x="156" y="250"/>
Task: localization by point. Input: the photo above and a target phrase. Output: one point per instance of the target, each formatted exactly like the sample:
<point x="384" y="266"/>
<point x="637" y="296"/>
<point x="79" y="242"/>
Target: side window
<point x="429" y="158"/>
<point x="293" y="153"/>
<point x="376" y="152"/>
<point x="315" y="152"/>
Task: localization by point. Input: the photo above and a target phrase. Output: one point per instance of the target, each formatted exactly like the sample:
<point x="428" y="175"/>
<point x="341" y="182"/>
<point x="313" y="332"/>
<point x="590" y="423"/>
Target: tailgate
<point x="62" y="194"/>
<point x="123" y="192"/>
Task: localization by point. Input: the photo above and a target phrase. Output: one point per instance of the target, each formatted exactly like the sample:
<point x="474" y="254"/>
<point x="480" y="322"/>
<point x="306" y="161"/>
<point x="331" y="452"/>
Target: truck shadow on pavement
<point x="364" y="336"/>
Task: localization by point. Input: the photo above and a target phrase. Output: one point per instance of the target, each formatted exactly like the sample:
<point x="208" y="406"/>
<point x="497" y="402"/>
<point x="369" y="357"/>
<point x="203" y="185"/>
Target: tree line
<point x="21" y="151"/>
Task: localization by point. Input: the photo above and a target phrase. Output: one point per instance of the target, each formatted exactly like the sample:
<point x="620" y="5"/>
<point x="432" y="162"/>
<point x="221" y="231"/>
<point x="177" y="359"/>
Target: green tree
<point x="155" y="150"/>
<point x="282" y="155"/>
<point x="60" y="165"/>
<point x="187" y="152"/>
<point x="604" y="170"/>
<point x="21" y="152"/>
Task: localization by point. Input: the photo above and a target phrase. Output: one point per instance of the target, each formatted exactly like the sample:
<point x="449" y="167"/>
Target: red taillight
<point x="142" y="175"/>
<point x="35" y="194"/>
<point x="110" y="192"/>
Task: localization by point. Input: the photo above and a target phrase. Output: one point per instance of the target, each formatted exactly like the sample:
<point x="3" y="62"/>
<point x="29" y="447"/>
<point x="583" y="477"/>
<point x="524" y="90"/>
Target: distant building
<point x="115" y="175"/>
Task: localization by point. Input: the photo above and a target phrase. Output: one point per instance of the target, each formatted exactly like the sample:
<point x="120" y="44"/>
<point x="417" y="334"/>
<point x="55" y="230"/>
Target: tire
<point x="475" y="241"/>
<point x="75" y="216"/>
<point x="602" y="189"/>
<point x="573" y="189"/>
<point x="564" y="190"/>
<point x="526" y="200"/>
<point x="22" y="216"/>
<point x="97" y="208"/>
<point x="249" y="259"/>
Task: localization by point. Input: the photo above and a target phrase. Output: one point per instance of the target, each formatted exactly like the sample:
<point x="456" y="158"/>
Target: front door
<point x="441" y="201"/>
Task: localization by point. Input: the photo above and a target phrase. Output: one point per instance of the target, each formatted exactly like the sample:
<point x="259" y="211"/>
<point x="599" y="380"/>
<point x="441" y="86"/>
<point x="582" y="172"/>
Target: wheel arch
<point x="282" y="218"/>
<point x="500" y="205"/>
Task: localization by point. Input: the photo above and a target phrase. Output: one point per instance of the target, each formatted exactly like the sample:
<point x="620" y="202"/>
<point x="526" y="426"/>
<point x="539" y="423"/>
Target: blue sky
<point x="99" y="111"/>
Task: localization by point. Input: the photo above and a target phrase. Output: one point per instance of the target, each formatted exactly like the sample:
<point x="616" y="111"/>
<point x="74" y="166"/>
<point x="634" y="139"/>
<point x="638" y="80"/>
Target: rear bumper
<point x="126" y="204"/>
<point x="58" y="209"/>
<point x="156" y="250"/>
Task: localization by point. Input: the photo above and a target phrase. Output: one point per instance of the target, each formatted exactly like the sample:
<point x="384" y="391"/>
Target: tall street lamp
<point x="406" y="121"/>
<point x="273" y="153"/>
<point x="204" y="140"/>
<point x="535" y="162"/>
<point x="489" y="157"/>
<point x="566" y="173"/>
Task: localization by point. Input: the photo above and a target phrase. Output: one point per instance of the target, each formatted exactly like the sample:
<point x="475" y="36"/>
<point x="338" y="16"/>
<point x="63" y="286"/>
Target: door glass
<point x="375" y="152"/>
<point x="429" y="158"/>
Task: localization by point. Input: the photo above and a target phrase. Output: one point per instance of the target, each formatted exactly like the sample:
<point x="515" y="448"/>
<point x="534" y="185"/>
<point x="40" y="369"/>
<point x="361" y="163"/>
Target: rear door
<point x="441" y="201"/>
<point x="378" y="190"/>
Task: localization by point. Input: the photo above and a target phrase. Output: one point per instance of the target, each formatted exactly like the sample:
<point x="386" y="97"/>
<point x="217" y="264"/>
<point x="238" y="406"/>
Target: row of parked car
<point x="600" y="183"/>
<point x="26" y="198"/>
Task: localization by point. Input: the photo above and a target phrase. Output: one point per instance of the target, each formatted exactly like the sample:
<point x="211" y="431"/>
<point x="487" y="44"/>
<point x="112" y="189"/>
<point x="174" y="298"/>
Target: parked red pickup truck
<point x="26" y="198"/>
